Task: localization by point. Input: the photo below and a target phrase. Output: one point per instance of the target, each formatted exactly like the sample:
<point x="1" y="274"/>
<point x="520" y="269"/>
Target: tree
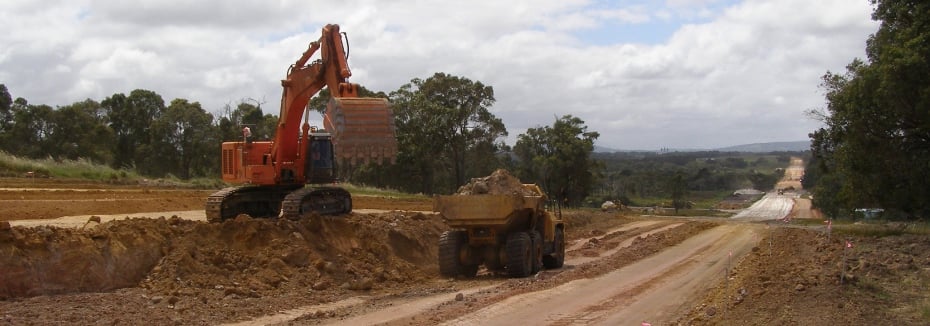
<point x="130" y="118"/>
<point x="6" y="110"/>
<point x="559" y="158"/>
<point x="678" y="190"/>
<point x="247" y="115"/>
<point x="184" y="141"/>
<point x="875" y="148"/>
<point x="80" y="131"/>
<point x="29" y="133"/>
<point x="452" y="114"/>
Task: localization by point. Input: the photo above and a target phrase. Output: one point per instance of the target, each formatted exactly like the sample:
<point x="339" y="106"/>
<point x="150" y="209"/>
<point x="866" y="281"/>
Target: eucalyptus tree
<point x="560" y="158"/>
<point x="441" y="121"/>
<point x="874" y="150"/>
<point x="130" y="118"/>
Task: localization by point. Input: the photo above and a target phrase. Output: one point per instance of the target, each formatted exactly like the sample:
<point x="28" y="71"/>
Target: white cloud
<point x="731" y="73"/>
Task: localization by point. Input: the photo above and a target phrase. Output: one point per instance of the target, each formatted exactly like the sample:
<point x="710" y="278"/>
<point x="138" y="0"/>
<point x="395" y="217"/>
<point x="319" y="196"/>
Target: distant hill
<point x="786" y="146"/>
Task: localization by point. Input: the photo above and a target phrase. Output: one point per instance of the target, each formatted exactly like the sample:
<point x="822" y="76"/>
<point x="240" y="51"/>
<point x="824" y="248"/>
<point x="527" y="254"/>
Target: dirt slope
<point x="216" y="269"/>
<point x="796" y="281"/>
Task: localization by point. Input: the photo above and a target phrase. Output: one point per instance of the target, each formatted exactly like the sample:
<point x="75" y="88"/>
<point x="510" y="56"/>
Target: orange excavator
<point x="294" y="173"/>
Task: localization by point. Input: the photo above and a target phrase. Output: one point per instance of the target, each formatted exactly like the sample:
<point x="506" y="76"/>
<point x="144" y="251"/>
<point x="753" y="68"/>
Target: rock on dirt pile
<point x="501" y="182"/>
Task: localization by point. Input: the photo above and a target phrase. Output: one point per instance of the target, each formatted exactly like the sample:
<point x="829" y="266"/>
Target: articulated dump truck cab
<point x="512" y="233"/>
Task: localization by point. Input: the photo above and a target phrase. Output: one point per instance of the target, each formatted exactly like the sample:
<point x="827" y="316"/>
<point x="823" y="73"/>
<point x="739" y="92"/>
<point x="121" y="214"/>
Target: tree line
<point x="628" y="176"/>
<point x="874" y="151"/>
<point x="445" y="130"/>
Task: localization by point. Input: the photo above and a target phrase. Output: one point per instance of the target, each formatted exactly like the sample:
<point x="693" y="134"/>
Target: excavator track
<point x="255" y="201"/>
<point x="320" y="200"/>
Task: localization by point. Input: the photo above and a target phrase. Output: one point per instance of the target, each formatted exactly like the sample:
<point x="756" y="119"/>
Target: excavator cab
<point x="320" y="166"/>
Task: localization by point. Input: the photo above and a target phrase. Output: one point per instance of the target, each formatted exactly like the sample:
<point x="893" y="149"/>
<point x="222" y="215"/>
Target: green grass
<point x="12" y="166"/>
<point x="872" y="286"/>
<point x="809" y="222"/>
<point x="697" y="212"/>
<point x="879" y="229"/>
<point x="371" y="191"/>
<point x="82" y="169"/>
<point x="701" y="199"/>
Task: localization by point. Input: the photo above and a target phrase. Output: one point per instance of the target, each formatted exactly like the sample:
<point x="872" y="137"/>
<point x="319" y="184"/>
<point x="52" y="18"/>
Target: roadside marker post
<point x="771" y="234"/>
<point x="726" y="283"/>
<point x="848" y="246"/>
<point x="829" y="229"/>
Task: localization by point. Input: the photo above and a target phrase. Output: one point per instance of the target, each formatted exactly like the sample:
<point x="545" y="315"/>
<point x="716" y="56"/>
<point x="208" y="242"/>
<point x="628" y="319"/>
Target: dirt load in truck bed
<point x="501" y="182"/>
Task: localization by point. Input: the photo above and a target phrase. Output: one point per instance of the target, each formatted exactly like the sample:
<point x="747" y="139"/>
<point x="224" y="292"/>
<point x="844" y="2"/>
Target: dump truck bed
<point x="488" y="209"/>
<point x="465" y="210"/>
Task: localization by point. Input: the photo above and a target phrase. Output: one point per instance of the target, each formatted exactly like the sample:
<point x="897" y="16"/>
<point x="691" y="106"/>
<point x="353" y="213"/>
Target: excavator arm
<point x="306" y="80"/>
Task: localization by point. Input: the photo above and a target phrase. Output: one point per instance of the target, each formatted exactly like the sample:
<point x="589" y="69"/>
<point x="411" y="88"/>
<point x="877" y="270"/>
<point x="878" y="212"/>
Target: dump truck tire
<point x="519" y="254"/>
<point x="451" y="244"/>
<point x="557" y="258"/>
<point x="537" y="250"/>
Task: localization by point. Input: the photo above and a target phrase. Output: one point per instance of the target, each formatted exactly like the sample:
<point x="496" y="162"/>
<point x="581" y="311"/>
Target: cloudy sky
<point x="644" y="74"/>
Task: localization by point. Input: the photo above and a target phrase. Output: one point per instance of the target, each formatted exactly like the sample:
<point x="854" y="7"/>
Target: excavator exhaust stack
<point x="362" y="129"/>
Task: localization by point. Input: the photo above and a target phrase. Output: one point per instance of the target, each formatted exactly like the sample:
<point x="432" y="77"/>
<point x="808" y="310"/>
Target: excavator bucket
<point x="362" y="129"/>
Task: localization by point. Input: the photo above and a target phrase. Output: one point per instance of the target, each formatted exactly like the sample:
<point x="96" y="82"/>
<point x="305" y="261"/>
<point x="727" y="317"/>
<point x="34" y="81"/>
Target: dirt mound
<point x="795" y="279"/>
<point x="243" y="257"/>
<point x="500" y="182"/>
<point x="50" y="260"/>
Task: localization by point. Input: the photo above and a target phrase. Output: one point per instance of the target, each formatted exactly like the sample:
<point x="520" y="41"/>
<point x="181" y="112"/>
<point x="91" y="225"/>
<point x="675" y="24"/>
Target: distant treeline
<point x="446" y="136"/>
<point x="629" y="175"/>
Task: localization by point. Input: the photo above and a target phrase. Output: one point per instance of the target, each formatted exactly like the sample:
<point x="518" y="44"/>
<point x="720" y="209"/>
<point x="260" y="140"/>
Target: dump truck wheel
<point x="537" y="251"/>
<point x="451" y="244"/>
<point x="557" y="258"/>
<point x="519" y="254"/>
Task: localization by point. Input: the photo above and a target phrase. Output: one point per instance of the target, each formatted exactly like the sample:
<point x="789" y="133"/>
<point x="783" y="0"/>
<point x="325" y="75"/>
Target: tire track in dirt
<point x="578" y="244"/>
<point x="691" y="277"/>
<point x="625" y="240"/>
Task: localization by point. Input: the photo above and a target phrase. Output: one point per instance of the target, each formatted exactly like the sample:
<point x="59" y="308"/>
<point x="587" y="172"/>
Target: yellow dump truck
<point x="505" y="232"/>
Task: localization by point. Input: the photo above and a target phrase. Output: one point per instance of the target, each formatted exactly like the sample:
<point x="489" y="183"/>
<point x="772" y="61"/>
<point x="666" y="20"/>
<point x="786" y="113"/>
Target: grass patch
<point x="697" y="212"/>
<point x="372" y="191"/>
<point x="698" y="199"/>
<point x="808" y="222"/>
<point x="83" y="169"/>
<point x="12" y="166"/>
<point x="872" y="286"/>
<point x="925" y="311"/>
<point x="879" y="229"/>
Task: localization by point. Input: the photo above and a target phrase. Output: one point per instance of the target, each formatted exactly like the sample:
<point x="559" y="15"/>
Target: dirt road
<point x="651" y="289"/>
<point x="793" y="175"/>
<point x="781" y="203"/>
<point x="772" y="206"/>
